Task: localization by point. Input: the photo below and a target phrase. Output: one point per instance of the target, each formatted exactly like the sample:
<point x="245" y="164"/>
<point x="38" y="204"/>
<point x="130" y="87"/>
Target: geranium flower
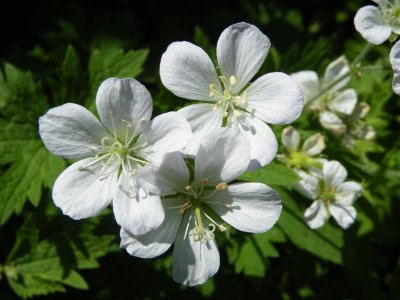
<point x="328" y="95"/>
<point x="230" y="100"/>
<point x="376" y="24"/>
<point x="301" y="157"/>
<point x="196" y="205"/>
<point x="395" y="61"/>
<point x="331" y="195"/>
<point x="111" y="152"/>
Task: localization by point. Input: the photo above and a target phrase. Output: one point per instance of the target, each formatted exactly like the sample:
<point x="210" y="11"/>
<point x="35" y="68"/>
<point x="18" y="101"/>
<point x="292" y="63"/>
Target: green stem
<point x="360" y="57"/>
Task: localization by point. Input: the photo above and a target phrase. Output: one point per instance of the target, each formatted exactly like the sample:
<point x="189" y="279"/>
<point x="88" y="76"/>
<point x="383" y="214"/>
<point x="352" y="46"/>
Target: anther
<point x="232" y="80"/>
<point x="222" y="228"/>
<point x="204" y="181"/>
<point x="189" y="188"/>
<point x="227" y="95"/>
<point x="221" y="186"/>
<point x="237" y="113"/>
<point x="184" y="207"/>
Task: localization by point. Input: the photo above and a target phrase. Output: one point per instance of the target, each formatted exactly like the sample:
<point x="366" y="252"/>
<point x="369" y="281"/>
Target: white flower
<point x="331" y="194"/>
<point x="199" y="201"/>
<point x="395" y="61"/>
<point x="336" y="99"/>
<point x="356" y="127"/>
<point x="230" y="100"/>
<point x="111" y="152"/>
<point x="301" y="157"/>
<point x="376" y="24"/>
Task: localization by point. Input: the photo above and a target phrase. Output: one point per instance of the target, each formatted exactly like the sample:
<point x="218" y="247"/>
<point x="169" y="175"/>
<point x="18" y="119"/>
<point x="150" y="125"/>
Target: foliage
<point x="43" y="252"/>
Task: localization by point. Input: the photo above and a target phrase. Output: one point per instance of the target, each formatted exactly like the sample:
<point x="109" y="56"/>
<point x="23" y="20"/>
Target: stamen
<point x="232" y="80"/>
<point x="184" y="207"/>
<point x="221" y="186"/>
<point x="227" y="95"/>
<point x="237" y="113"/>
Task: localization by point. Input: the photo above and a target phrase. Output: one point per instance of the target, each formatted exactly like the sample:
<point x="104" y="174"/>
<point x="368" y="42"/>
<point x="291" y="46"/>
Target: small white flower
<point x="198" y="202"/>
<point x="376" y="24"/>
<point x="336" y="99"/>
<point x="301" y="157"/>
<point x="111" y="152"/>
<point x="331" y="194"/>
<point x="356" y="127"/>
<point x="395" y="61"/>
<point x="230" y="100"/>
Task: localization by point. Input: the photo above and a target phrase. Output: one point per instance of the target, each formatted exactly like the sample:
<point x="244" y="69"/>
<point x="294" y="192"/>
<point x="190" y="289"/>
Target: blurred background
<point x="68" y="47"/>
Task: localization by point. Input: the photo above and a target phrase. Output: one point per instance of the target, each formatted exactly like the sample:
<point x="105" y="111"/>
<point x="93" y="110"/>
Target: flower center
<point x="195" y="195"/>
<point x="328" y="195"/>
<point x="391" y="14"/>
<point x="123" y="150"/>
<point x="230" y="102"/>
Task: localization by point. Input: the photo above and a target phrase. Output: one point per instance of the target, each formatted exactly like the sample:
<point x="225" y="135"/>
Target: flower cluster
<point x="336" y="105"/>
<point x="169" y="178"/>
<point x="377" y="24"/>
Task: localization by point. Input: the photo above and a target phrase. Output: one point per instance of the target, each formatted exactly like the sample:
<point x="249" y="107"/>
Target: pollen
<point x="221" y="186"/>
<point x="232" y="80"/>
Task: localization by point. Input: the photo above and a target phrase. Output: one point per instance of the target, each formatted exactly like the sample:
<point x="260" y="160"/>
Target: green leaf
<point x="105" y="63"/>
<point x="71" y="85"/>
<point x="326" y="243"/>
<point x="273" y="174"/>
<point x="32" y="167"/>
<point x="21" y="98"/>
<point x="41" y="267"/>
<point x="251" y="256"/>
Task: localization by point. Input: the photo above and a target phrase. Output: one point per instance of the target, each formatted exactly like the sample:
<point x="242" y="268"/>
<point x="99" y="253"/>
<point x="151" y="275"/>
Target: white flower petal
<point x="347" y="193"/>
<point x="156" y="242"/>
<point x="332" y="122"/>
<point x="336" y="69"/>
<point x="124" y="106"/>
<point x="308" y="185"/>
<point x="203" y="120"/>
<point x="193" y="261"/>
<point x="395" y="57"/>
<point x="187" y="71"/>
<point x="344" y="102"/>
<point x="249" y="207"/>
<point x="314" y="145"/>
<point x="241" y="51"/>
<point x="370" y="24"/>
<point x="166" y="133"/>
<point x="334" y="173"/>
<point x="275" y="98"/>
<point x="167" y="178"/>
<point x="222" y="156"/>
<point x="71" y="131"/>
<point x="135" y="209"/>
<point x="309" y="84"/>
<point x="81" y="192"/>
<point x="316" y="215"/>
<point x="263" y="144"/>
<point x="290" y="139"/>
<point x="345" y="215"/>
<point x="396" y="83"/>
